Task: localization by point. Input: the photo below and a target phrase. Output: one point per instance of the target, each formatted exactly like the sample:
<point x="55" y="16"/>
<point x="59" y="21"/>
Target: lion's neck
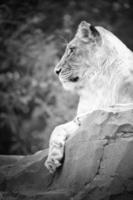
<point x="95" y="96"/>
<point x="90" y="101"/>
<point x="102" y="90"/>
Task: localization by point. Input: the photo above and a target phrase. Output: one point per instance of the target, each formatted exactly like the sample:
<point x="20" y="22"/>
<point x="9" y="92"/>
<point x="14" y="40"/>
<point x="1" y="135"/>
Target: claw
<point x="52" y="164"/>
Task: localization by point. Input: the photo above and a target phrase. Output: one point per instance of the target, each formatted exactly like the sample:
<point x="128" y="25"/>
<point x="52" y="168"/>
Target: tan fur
<point x="104" y="67"/>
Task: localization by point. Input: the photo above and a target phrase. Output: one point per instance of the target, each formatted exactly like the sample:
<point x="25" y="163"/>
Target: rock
<point x="98" y="165"/>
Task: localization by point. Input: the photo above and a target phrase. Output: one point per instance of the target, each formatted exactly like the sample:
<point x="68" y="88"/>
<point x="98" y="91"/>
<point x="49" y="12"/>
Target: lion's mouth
<point x="69" y="79"/>
<point x="74" y="79"/>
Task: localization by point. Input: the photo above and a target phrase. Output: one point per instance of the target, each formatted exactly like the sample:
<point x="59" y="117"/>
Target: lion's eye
<point x="72" y="49"/>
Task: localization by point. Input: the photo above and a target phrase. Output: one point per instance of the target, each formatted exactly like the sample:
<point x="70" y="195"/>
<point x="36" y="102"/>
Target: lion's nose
<point x="57" y="71"/>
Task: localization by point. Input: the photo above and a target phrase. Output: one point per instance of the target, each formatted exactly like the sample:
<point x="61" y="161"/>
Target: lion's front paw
<point x="51" y="164"/>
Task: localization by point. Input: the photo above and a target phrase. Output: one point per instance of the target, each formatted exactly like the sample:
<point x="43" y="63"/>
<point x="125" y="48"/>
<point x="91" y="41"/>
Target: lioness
<point x="99" y="67"/>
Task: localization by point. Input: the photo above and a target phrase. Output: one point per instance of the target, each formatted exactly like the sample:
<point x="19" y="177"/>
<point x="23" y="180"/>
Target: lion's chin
<point x="74" y="87"/>
<point x="72" y="84"/>
<point x="69" y="85"/>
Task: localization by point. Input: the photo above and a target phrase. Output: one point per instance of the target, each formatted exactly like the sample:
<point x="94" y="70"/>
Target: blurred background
<point x="33" y="36"/>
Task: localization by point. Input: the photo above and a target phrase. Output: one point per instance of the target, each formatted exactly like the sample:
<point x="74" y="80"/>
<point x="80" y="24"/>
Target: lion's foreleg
<point x="57" y="143"/>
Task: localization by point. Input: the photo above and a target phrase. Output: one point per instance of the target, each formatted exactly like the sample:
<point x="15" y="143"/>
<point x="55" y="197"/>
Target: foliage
<point x="33" y="35"/>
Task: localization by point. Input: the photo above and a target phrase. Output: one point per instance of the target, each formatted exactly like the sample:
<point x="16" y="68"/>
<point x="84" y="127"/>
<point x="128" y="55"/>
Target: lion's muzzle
<point x="57" y="69"/>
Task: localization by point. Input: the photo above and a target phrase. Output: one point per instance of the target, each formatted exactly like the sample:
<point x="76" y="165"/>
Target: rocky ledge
<point x="98" y="165"/>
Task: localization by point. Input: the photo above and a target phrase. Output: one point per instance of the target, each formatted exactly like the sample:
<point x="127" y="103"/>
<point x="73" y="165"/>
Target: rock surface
<point x="98" y="165"/>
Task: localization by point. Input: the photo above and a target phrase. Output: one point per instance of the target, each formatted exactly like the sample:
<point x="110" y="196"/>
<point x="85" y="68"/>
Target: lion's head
<point x="83" y="57"/>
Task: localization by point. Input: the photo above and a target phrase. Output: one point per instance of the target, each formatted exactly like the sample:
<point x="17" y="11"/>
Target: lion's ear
<point x="87" y="32"/>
